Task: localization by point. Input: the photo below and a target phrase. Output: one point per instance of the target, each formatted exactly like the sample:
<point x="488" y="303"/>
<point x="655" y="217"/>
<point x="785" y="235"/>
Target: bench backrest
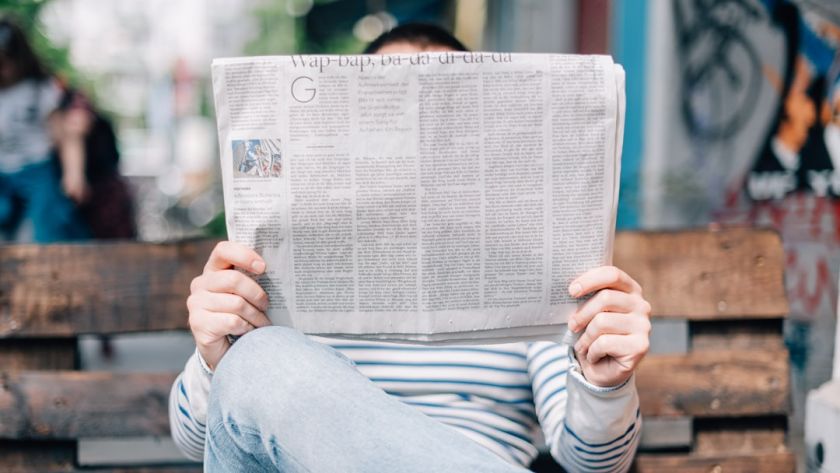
<point x="728" y="390"/>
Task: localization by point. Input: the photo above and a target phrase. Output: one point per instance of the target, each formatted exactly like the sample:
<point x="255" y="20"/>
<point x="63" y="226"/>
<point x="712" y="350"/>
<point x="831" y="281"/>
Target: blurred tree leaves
<point x="217" y="227"/>
<point x="55" y="58"/>
<point x="278" y="32"/>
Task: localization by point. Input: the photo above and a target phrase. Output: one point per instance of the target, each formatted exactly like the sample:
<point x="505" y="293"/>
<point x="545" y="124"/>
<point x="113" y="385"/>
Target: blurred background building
<point x="733" y="112"/>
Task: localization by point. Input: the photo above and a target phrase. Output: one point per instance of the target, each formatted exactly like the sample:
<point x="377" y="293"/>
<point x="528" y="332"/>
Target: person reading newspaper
<point x="278" y="400"/>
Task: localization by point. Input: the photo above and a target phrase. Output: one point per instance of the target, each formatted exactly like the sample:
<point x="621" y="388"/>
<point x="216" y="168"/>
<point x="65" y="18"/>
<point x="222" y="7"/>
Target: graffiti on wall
<point x="802" y="150"/>
<point x="769" y="116"/>
<point x="753" y="138"/>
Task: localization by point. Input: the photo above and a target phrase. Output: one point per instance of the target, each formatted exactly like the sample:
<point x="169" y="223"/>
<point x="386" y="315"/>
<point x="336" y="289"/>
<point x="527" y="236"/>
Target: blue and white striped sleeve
<point x="587" y="428"/>
<point x="188" y="407"/>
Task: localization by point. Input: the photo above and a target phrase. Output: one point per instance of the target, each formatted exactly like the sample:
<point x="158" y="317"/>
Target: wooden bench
<point x="729" y="390"/>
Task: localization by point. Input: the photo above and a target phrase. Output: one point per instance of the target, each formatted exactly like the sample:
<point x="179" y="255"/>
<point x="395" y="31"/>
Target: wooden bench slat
<point x="50" y="353"/>
<point x="784" y="462"/>
<point x="72" y="404"/>
<point x="715" y="383"/>
<point x="43" y="457"/>
<point x="752" y="335"/>
<point x="143" y="469"/>
<point x="740" y="435"/>
<point x="734" y="382"/>
<point x="702" y="275"/>
<point x="65" y="290"/>
<point x="67" y="404"/>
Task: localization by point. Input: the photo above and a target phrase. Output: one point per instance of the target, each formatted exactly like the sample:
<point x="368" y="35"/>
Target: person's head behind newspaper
<point x="414" y="37"/>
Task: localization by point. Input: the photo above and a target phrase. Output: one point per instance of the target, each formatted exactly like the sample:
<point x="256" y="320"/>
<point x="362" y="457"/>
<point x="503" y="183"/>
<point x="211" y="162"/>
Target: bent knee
<point x="266" y="369"/>
<point x="269" y="357"/>
<point x="259" y="350"/>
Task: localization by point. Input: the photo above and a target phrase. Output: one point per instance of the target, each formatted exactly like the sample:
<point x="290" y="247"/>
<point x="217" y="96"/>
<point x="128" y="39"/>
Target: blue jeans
<point x="35" y="193"/>
<point x="282" y="402"/>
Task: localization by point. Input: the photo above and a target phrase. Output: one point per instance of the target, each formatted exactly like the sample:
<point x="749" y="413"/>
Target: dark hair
<point x="421" y="34"/>
<point x="15" y="48"/>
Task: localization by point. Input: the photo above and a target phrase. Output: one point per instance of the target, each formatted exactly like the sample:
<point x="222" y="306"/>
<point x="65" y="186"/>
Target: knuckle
<point x="241" y="305"/>
<point x="194" y="320"/>
<point x="644" y="346"/>
<point x="220" y="247"/>
<point x="190" y="302"/>
<point x="646" y="326"/>
<point x="195" y="284"/>
<point x="603" y="298"/>
<point x="613" y="274"/>
<point x="646" y="308"/>
<point x="228" y="279"/>
<point x="596" y="325"/>
<point x="231" y="323"/>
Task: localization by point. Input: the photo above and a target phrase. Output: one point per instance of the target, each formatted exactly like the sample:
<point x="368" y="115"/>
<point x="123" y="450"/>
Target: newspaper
<point x="429" y="197"/>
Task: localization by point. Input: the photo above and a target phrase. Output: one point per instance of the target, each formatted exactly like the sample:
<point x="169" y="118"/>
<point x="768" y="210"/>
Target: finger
<point x="605" y="300"/>
<point x="233" y="282"/>
<point x="233" y="304"/>
<point x="604" y="277"/>
<point x="221" y="324"/>
<point x="606" y="345"/>
<point x="228" y="254"/>
<point x="627" y="350"/>
<point x="604" y="323"/>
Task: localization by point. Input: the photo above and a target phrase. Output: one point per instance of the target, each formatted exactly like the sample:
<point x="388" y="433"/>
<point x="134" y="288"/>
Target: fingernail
<point x="575" y="289"/>
<point x="577" y="346"/>
<point x="573" y="325"/>
<point x="258" y="266"/>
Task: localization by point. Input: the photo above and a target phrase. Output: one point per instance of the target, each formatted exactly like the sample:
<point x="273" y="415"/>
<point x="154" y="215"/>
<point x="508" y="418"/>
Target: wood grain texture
<point x="740" y="436"/>
<point x="40" y="457"/>
<point x="46" y="354"/>
<point x="715" y="384"/>
<point x="68" y="404"/>
<point x="71" y="404"/>
<point x="762" y="463"/>
<point x="701" y="275"/>
<point x="63" y="290"/>
<point x="36" y="354"/>
<point x="144" y="469"/>
<point x="760" y="335"/>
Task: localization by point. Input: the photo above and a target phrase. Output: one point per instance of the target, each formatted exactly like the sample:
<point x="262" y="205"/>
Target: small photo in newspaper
<point x="257" y="158"/>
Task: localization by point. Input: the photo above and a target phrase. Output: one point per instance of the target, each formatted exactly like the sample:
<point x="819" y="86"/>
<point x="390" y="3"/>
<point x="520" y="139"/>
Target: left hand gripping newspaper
<point x="432" y="197"/>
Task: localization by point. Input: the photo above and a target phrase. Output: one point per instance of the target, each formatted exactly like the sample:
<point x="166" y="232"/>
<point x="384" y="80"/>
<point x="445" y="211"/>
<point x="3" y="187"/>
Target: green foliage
<point x="216" y="228"/>
<point x="55" y="58"/>
<point x="279" y="33"/>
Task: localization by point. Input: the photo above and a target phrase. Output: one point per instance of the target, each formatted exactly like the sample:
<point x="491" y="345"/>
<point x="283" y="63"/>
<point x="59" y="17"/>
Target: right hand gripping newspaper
<point x="433" y="197"/>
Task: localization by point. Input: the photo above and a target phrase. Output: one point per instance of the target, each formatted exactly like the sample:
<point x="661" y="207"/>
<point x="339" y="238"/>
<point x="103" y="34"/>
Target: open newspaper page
<point x="429" y="197"/>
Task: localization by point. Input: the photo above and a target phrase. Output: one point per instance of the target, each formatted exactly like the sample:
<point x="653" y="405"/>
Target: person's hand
<point x="614" y="325"/>
<point x="70" y="129"/>
<point x="75" y="186"/>
<point x="77" y="122"/>
<point x="224" y="301"/>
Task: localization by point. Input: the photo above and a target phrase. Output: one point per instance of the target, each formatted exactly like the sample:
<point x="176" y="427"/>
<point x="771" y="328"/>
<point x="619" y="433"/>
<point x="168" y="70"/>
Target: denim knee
<point x="266" y="367"/>
<point x="258" y="353"/>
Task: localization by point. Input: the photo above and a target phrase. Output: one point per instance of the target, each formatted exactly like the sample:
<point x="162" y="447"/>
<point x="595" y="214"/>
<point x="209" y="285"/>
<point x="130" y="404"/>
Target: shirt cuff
<point x="204" y="366"/>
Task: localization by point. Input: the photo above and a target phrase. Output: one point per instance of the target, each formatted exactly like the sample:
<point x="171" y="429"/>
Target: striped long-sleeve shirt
<point x="509" y="398"/>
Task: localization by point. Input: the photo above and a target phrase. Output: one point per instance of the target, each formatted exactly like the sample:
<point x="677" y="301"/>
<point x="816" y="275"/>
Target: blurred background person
<point x="106" y="205"/>
<point x="30" y="188"/>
